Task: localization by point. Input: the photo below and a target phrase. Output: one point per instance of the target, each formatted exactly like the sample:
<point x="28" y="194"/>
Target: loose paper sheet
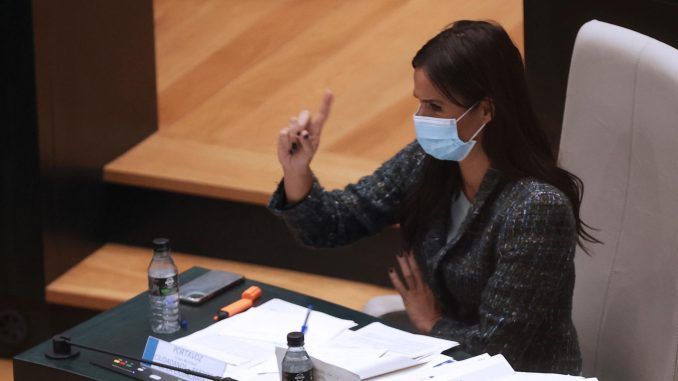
<point x="380" y="336"/>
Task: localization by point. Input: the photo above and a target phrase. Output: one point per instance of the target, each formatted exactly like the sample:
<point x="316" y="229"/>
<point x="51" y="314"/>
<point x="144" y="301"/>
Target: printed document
<point x="380" y="336"/>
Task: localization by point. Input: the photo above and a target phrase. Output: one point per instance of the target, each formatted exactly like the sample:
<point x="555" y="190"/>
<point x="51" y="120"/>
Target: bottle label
<point x="163" y="286"/>
<point x="301" y="376"/>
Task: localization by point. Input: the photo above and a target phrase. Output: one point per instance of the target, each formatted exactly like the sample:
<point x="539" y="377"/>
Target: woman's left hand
<point x="420" y="303"/>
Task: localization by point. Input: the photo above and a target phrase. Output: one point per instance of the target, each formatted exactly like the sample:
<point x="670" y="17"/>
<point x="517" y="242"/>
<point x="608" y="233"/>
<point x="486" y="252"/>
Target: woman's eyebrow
<point x="436" y="101"/>
<point x="427" y="100"/>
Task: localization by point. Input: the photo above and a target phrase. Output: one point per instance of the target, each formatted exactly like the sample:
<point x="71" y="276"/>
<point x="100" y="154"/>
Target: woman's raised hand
<point x="297" y="143"/>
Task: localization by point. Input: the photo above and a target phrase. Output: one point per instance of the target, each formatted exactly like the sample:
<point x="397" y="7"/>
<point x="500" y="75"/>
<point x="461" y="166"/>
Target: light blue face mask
<point x="439" y="137"/>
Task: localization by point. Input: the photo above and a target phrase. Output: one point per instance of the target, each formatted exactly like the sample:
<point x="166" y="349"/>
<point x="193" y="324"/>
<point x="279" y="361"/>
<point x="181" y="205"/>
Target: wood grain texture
<point x="116" y="273"/>
<point x="230" y="73"/>
<point x="6" y="371"/>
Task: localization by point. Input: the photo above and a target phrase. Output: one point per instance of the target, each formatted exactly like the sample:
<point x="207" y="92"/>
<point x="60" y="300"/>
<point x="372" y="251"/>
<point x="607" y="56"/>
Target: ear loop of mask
<point x="464" y="114"/>
<point x="467" y="111"/>
<point x="477" y="132"/>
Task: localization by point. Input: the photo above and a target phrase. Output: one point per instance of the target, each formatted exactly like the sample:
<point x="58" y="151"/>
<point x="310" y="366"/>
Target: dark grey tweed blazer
<point x="505" y="283"/>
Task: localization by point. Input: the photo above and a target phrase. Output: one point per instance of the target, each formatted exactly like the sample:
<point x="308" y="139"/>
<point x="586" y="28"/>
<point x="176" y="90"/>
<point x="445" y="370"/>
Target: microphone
<point x="62" y="348"/>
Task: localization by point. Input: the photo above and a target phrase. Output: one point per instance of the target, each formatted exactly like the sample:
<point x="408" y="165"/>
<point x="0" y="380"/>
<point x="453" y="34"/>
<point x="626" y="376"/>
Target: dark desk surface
<point x="125" y="328"/>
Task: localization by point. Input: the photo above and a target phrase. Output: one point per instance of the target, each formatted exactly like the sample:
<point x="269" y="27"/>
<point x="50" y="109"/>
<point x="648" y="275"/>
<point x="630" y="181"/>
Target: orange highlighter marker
<point x="248" y="297"/>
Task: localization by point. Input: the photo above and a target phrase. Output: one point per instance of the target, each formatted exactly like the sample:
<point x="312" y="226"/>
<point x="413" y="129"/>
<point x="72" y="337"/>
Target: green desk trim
<point x="125" y="328"/>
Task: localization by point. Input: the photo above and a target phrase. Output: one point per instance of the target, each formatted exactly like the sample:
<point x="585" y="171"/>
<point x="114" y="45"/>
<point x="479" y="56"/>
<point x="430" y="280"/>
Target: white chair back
<point x="620" y="136"/>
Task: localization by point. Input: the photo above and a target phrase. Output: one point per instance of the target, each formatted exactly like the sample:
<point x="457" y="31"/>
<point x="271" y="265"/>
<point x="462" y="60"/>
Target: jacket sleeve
<point x="339" y="217"/>
<point x="535" y="264"/>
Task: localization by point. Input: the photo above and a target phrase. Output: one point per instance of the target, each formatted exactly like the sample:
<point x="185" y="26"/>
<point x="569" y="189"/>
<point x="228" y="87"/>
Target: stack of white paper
<point x="424" y="371"/>
<point x="352" y="364"/>
<point x="380" y="336"/>
<point x="521" y="376"/>
<point x="371" y="351"/>
<point x="479" y="368"/>
<point x="252" y="344"/>
<point x="273" y="320"/>
<point x="247" y="341"/>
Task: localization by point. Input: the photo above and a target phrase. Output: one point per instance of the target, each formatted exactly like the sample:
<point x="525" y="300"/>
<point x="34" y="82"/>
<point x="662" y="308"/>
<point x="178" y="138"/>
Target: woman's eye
<point x="435" y="107"/>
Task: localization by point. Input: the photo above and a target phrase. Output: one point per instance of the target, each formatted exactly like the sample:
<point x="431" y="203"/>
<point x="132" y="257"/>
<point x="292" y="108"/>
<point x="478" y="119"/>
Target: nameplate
<point x="167" y="353"/>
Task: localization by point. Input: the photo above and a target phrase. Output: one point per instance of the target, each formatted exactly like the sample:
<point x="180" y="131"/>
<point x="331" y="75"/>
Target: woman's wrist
<point x="427" y="326"/>
<point x="297" y="185"/>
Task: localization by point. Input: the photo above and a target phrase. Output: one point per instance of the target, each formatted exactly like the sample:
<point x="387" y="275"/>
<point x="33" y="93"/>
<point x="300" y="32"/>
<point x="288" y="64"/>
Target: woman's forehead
<point x="424" y="88"/>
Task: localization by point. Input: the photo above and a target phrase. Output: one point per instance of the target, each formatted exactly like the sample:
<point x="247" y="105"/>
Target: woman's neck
<point x="473" y="170"/>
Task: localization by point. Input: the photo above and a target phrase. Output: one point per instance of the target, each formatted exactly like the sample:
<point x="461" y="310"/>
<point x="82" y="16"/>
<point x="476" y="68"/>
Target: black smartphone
<point x="207" y="285"/>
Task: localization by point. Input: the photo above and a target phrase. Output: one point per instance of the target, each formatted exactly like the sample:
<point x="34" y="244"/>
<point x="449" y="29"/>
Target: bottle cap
<point x="295" y="339"/>
<point x="161" y="244"/>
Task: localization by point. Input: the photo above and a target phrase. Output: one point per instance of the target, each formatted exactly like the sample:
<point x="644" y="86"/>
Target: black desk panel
<point x="125" y="328"/>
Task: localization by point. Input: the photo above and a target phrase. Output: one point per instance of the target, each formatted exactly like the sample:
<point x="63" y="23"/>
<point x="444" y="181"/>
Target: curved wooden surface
<point x="230" y="73"/>
<point x="116" y="273"/>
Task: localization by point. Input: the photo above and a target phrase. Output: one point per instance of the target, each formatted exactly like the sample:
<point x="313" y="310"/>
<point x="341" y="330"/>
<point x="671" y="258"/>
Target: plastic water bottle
<point x="163" y="289"/>
<point x="296" y="365"/>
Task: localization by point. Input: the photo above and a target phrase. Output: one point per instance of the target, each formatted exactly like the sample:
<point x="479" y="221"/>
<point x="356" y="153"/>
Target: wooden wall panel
<point x="239" y="69"/>
<point x="230" y="73"/>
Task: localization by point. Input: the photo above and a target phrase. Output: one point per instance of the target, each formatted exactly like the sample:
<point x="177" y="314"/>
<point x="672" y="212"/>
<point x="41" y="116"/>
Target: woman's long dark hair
<point x="471" y="61"/>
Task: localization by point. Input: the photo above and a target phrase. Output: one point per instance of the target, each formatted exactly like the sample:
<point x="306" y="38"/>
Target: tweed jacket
<point x="505" y="283"/>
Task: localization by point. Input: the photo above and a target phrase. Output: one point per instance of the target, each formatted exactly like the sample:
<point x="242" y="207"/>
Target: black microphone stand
<point x="62" y="349"/>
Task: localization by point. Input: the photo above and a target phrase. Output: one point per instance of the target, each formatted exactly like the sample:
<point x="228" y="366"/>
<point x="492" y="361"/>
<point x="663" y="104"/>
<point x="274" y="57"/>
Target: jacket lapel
<point x="491" y="182"/>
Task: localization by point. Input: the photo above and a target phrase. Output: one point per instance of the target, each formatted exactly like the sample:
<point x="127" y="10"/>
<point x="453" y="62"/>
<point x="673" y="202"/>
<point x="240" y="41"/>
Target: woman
<point x="490" y="222"/>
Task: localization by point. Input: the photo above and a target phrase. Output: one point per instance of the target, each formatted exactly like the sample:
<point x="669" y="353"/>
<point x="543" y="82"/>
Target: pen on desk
<point x="304" y="326"/>
<point x="443" y="363"/>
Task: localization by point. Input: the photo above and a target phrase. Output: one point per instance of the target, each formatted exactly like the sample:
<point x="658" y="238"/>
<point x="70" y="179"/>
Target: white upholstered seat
<point x="620" y="136"/>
